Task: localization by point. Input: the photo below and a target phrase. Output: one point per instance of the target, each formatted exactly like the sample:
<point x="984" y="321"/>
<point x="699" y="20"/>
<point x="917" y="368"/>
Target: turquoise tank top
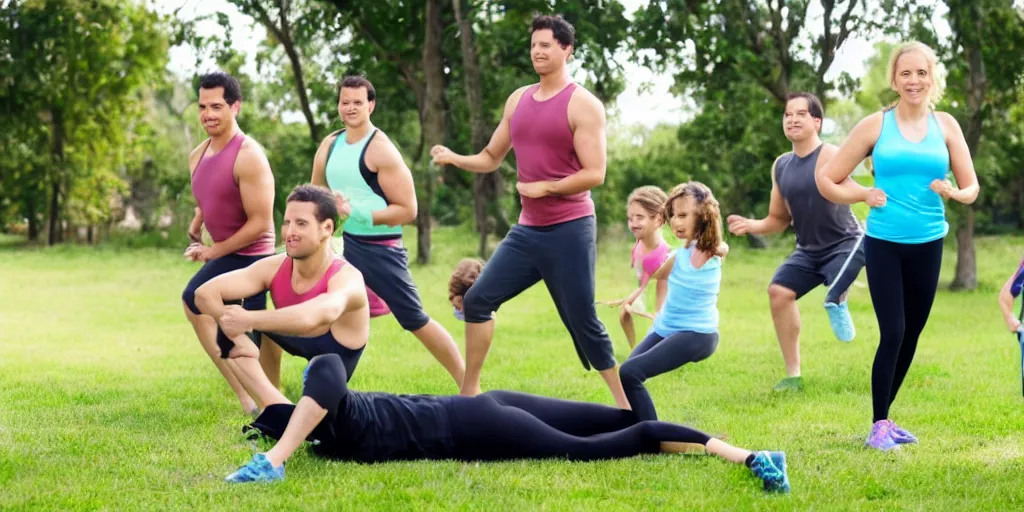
<point x="347" y="172"/>
<point x="692" y="300"/>
<point x="913" y="213"/>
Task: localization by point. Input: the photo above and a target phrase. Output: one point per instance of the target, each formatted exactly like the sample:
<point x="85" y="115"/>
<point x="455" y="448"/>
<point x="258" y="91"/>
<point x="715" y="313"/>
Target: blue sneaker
<point x="901" y="436"/>
<point x="259" y="469"/>
<point x="770" y="467"/>
<point x="881" y="436"/>
<point x="842" y="323"/>
<point x="305" y="376"/>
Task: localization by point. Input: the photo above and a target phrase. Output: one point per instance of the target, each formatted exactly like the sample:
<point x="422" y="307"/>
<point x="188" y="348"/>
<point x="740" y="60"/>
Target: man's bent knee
<point x="475" y="308"/>
<point x="779" y="295"/>
<point x="188" y="297"/>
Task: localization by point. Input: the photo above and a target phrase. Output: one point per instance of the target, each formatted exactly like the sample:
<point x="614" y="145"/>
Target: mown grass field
<point x="108" y="402"/>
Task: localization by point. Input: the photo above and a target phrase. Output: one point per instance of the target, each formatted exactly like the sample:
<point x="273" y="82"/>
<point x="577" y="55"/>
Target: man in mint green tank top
<point x="375" y="188"/>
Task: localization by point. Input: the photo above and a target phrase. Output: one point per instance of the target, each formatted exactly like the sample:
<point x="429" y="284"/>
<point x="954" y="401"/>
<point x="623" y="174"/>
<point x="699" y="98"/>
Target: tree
<point x="73" y="70"/>
<point x="294" y="25"/>
<point x="487" y="187"/>
<point x="985" y="58"/>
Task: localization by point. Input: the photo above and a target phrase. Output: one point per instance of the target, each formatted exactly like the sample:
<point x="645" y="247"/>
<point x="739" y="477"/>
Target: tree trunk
<point x="966" y="277"/>
<point x="486" y="187"/>
<point x="283" y="34"/>
<point x="57" y="175"/>
<point x="33" y="218"/>
<point x="433" y="121"/>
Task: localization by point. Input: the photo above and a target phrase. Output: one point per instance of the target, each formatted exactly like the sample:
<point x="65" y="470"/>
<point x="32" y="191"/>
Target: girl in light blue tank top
<point x="912" y="150"/>
<point x="686" y="328"/>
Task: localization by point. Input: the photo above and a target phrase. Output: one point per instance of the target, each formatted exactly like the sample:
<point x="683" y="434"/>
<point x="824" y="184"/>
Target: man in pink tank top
<point x="320" y="301"/>
<point x="234" y="190"/>
<point x="558" y="131"/>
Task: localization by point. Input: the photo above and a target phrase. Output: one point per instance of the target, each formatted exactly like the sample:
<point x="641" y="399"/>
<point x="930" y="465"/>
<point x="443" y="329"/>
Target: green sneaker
<point x="790" y="384"/>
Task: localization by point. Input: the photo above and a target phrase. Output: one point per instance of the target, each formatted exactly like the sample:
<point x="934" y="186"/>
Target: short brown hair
<point x="463" y="277"/>
<point x="356" y="82"/>
<point x="321" y="197"/>
<point x="562" y="30"/>
<point x="814" y="107"/>
<point x="650" y="198"/>
<point x="708" y="228"/>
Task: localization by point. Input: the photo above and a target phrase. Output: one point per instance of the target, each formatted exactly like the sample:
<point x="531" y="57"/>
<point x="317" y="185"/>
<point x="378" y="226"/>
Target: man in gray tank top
<point x="828" y="236"/>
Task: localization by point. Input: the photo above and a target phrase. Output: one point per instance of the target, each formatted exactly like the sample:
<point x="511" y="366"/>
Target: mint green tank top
<point x="347" y="173"/>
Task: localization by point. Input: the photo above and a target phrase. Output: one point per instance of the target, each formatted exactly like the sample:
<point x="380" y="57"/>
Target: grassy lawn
<point x="108" y="402"/>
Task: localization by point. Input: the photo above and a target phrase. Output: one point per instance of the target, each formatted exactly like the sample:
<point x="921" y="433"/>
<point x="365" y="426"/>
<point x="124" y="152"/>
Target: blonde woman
<point x="912" y="147"/>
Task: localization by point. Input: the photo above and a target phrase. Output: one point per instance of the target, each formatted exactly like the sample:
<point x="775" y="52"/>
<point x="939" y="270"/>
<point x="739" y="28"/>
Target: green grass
<point x="108" y="402"/>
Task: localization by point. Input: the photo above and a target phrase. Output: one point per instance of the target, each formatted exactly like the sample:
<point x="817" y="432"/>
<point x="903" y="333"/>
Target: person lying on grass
<point x="493" y="426"/>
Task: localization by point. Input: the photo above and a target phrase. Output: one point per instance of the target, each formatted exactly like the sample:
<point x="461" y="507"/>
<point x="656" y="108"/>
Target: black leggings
<point x="902" y="279"/>
<point x="656" y="355"/>
<point x="504" y="425"/>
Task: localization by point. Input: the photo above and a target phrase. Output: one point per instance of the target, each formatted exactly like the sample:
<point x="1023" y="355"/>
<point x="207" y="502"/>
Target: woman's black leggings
<point x="902" y="279"/>
<point x="502" y="425"/>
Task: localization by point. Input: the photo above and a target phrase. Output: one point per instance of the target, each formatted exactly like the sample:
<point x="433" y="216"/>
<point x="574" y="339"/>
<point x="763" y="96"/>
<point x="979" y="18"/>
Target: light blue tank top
<point x="347" y="172"/>
<point x="692" y="300"/>
<point x="913" y="213"/>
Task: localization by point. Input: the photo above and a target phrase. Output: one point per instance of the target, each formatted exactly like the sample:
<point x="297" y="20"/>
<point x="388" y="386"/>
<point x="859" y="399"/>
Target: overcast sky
<point x="646" y="99"/>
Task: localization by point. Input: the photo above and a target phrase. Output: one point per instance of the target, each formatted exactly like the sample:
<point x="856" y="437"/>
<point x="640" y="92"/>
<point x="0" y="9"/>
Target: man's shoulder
<point x="782" y="159"/>
<point x="250" y="144"/>
<point x="380" y="143"/>
<point x="585" y="98"/>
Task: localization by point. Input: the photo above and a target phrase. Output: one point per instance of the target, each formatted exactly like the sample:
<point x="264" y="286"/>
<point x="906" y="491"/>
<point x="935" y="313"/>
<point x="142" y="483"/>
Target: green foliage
<point x="72" y="75"/>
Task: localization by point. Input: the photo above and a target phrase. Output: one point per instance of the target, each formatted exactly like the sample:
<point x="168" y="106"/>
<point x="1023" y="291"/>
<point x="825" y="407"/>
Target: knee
<point x="327" y="367"/>
<point x="624" y="315"/>
<point x="630" y="373"/>
<point x="475" y="307"/>
<point x="780" y="296"/>
<point x="188" y="297"/>
<point x="412" y="322"/>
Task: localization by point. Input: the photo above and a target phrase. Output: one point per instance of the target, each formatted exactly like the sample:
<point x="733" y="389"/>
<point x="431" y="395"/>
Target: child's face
<point x="684" y="217"/>
<point x="456" y="302"/>
<point x="641" y="222"/>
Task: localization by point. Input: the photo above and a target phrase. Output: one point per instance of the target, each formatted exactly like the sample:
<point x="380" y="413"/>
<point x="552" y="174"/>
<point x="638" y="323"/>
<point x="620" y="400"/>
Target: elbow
<point x="410" y="215"/>
<point x="599" y="178"/>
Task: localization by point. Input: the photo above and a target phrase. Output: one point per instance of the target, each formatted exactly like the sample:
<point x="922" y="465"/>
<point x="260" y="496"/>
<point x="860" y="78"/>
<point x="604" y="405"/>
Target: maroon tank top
<point x="543" y="145"/>
<point x="218" y="196"/>
<point x="282" y="293"/>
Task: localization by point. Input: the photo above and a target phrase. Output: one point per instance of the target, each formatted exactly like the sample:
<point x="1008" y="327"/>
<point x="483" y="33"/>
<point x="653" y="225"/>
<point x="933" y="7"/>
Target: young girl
<point x="686" y="328"/>
<point x="644" y="213"/>
<point x="464" y="275"/>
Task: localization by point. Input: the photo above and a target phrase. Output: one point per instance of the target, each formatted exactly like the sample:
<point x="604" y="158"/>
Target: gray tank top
<point x="819" y="223"/>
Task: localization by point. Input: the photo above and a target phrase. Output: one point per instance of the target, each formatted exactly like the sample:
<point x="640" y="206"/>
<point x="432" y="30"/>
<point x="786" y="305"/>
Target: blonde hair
<point x="650" y="198"/>
<point x="708" y="227"/>
<point x="463" y="277"/>
<point x="938" y="82"/>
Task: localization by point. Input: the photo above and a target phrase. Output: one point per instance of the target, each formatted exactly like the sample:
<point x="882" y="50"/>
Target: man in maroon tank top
<point x="234" y="190"/>
<point x="558" y="131"/>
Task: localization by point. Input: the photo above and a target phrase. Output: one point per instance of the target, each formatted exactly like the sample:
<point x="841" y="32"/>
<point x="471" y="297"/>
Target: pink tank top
<point x="218" y="196"/>
<point x="646" y="264"/>
<point x="282" y="293"/>
<point x="544" y="149"/>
